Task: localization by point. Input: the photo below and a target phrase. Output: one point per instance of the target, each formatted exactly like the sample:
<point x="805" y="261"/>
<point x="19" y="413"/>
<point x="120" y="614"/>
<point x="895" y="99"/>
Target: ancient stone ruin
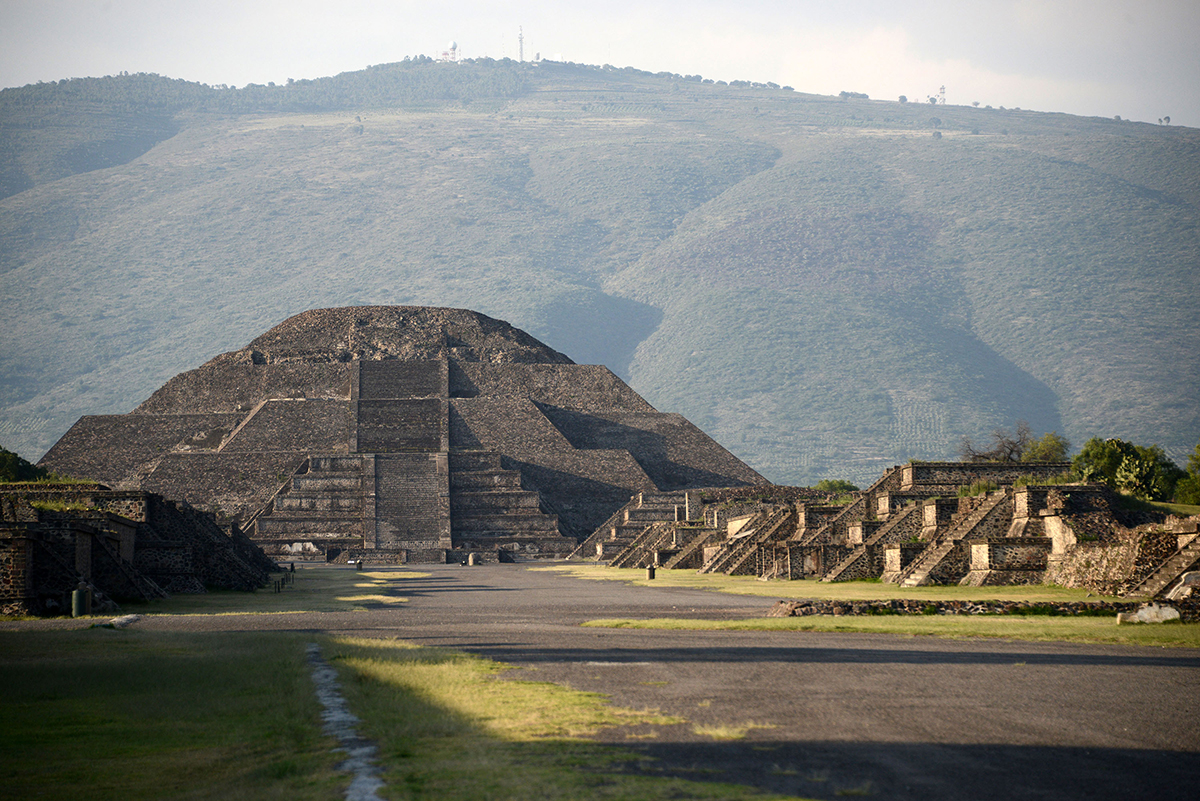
<point x="401" y="434"/>
<point x="911" y="527"/>
<point x="119" y="545"/>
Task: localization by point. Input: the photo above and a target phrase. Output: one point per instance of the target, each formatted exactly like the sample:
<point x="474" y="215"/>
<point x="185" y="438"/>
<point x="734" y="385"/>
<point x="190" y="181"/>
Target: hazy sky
<point x="1140" y="60"/>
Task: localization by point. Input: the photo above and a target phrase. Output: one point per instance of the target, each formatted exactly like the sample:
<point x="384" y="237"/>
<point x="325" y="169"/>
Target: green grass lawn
<point x="126" y="714"/>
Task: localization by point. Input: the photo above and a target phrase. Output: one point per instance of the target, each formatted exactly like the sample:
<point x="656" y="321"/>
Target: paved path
<point x="893" y="716"/>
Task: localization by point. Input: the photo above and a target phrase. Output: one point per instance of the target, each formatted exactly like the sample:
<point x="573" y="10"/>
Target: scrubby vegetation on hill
<point x="815" y="281"/>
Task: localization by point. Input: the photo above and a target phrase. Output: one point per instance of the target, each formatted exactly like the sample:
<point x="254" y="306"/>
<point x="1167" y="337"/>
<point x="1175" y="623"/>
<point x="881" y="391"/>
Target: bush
<point x="978" y="488"/>
<point x="1143" y="472"/>
<point x="14" y="468"/>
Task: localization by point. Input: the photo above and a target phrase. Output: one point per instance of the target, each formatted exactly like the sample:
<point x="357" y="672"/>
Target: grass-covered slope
<point x="821" y="284"/>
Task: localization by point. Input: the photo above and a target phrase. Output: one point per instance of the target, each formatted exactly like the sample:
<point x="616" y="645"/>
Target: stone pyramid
<point x="399" y="433"/>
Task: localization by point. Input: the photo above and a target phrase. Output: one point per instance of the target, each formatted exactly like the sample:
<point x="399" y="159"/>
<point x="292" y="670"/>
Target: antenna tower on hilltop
<point x="520" y="43"/>
<point x="942" y="96"/>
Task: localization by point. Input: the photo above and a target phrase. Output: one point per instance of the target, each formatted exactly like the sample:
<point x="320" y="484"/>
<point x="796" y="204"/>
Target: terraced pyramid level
<point x="399" y="433"/>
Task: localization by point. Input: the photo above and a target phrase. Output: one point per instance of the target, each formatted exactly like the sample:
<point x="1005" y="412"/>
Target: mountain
<point x="825" y="285"/>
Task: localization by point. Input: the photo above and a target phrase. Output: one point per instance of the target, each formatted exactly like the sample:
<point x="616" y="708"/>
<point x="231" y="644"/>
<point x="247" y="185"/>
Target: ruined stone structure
<point x="121" y="545"/>
<point x="399" y="434"/>
<point x="911" y="528"/>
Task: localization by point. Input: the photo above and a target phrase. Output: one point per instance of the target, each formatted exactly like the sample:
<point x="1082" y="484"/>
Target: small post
<point x="472" y="559"/>
<point x="650" y="573"/>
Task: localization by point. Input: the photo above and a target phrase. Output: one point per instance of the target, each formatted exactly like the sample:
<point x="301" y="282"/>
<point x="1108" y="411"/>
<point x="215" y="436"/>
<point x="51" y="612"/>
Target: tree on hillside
<point x="14" y="468"/>
<point x="837" y="486"/>
<point x="1143" y="472"/>
<point x="1019" y="446"/>
<point x="1050" y="448"/>
<point x="1187" y="489"/>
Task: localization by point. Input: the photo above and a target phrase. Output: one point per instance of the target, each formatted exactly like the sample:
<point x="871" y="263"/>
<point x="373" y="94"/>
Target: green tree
<point x="1143" y="472"/>
<point x="14" y="468"/>
<point x="1187" y="489"/>
<point x="1049" y="448"/>
<point x="837" y="486"/>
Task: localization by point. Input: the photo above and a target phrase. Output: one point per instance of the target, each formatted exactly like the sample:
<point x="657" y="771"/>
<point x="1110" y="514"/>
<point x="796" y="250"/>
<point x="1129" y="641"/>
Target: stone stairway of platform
<point x="860" y="509"/>
<point x="1175" y="566"/>
<point x="767" y="526"/>
<point x="640" y="552"/>
<point x="324" y="503"/>
<point x="853" y="567"/>
<point x="487" y="503"/>
<point x="628" y="522"/>
<point x="919" y="572"/>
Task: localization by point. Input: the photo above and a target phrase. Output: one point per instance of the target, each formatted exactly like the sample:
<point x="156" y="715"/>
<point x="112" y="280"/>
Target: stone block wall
<point x="112" y="449"/>
<point x="295" y="425"/>
<point x="16" y="579"/>
<point x="235" y="388"/>
<point x="1010" y="553"/>
<point x="958" y="474"/>
<point x="899" y="555"/>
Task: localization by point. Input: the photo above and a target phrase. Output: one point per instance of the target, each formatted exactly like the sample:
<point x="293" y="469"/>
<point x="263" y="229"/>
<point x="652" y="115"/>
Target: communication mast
<point x="942" y="96"/>
<point x="520" y="43"/>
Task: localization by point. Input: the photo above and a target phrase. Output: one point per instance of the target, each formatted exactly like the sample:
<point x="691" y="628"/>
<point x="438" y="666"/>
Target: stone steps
<point x="864" y="549"/>
<point x="919" y="571"/>
<point x="1168" y="571"/>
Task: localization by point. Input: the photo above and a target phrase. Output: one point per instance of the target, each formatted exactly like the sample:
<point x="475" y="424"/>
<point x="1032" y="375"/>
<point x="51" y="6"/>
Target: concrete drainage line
<point x="340" y="722"/>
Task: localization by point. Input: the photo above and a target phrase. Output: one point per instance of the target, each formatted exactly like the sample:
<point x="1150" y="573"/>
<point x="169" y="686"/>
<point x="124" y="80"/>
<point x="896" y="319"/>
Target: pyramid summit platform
<point x="399" y="433"/>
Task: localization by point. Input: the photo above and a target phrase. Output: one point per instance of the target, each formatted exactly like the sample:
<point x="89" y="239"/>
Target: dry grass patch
<point x="453" y="726"/>
<point x="1034" y="628"/>
<point x="819" y="590"/>
<point x="317" y="588"/>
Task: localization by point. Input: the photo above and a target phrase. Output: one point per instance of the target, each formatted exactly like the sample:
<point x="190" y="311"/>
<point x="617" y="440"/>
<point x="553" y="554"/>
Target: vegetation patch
<point x="834" y="590"/>
<point x="322" y="589"/>
<point x="101" y="713"/>
<point x="1035" y="628"/>
<point x="454" y="726"/>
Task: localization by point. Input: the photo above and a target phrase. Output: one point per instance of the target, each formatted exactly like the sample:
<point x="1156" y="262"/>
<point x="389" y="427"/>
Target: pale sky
<point x="1139" y="60"/>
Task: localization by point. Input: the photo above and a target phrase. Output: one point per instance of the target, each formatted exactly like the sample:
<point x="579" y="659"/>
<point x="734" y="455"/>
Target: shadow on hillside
<point x="599" y="329"/>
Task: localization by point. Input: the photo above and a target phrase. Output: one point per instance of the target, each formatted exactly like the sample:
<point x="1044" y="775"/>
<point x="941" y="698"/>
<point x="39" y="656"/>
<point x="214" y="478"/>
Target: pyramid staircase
<point x="1166" y="573"/>
<point x="488" y="507"/>
<point x="324" y="503"/>
<point x="861" y="509"/>
<point x="921" y="571"/>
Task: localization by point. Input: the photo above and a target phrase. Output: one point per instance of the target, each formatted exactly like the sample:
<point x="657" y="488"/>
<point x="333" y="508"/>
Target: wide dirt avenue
<point x="892" y="717"/>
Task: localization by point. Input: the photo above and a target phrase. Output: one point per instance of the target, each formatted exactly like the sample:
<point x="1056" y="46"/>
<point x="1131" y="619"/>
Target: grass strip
<point x="324" y="588"/>
<point x="1035" y="628"/>
<point x="822" y="590"/>
<point x="128" y="714"/>
<point x="448" y="727"/>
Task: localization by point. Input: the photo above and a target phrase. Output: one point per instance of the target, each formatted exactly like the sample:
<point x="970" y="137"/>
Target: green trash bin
<point x="81" y="601"/>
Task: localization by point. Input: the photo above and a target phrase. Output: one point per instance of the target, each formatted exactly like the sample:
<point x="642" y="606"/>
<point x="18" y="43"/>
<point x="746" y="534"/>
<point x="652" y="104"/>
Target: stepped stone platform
<point x="400" y="433"/>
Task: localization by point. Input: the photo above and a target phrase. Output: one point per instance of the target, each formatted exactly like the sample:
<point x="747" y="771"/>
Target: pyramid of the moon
<point x="399" y="430"/>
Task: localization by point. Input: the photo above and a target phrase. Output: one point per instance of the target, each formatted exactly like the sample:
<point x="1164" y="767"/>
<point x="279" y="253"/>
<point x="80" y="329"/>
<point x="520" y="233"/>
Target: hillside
<point x="822" y="285"/>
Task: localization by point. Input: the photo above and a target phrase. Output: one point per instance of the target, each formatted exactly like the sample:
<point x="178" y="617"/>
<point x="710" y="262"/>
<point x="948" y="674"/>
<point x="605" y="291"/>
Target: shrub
<point x="1143" y="472"/>
<point x="977" y="488"/>
<point x="14" y="468"/>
